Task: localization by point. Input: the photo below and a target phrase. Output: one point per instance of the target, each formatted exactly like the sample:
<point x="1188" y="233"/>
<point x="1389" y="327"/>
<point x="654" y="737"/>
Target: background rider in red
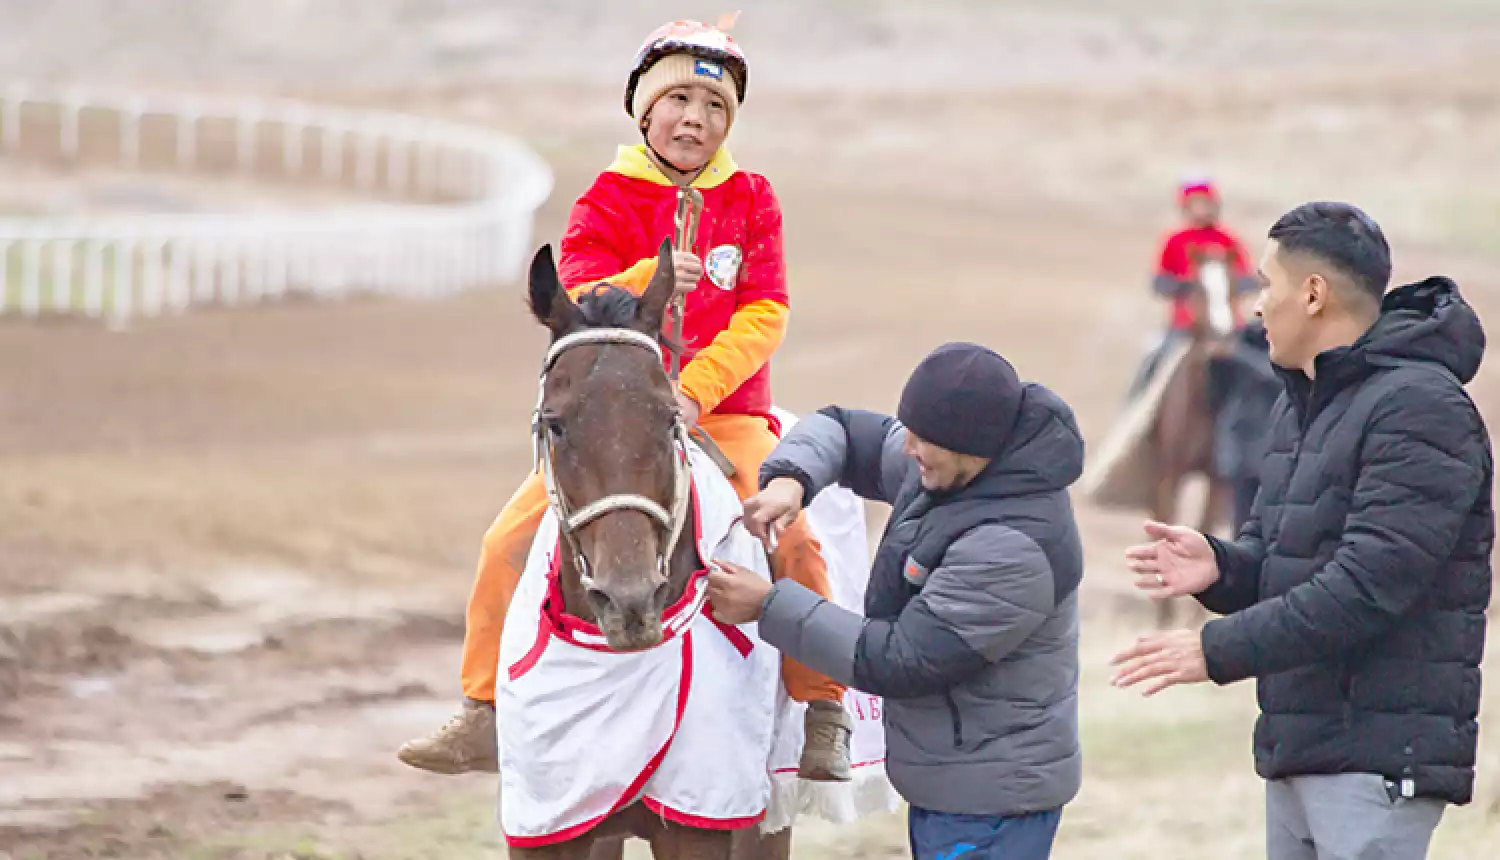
<point x="1201" y="237"/>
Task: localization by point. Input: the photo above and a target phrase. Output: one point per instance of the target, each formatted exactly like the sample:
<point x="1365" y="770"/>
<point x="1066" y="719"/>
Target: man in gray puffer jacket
<point x="971" y="617"/>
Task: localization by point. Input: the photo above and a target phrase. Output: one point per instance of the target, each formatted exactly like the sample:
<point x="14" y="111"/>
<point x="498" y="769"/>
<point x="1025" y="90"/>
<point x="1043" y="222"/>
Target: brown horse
<point x="1183" y="436"/>
<point x="610" y="443"/>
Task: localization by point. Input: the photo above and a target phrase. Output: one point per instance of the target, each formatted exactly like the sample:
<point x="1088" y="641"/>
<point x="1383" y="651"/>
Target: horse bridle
<point x="570" y="521"/>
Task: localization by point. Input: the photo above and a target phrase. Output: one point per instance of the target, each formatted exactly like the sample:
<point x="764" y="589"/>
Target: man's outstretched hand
<point x="1176" y="563"/>
<point x="1161" y="660"/>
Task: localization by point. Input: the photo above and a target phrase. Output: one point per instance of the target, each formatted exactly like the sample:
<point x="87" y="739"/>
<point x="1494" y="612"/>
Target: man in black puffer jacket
<point x="1356" y="592"/>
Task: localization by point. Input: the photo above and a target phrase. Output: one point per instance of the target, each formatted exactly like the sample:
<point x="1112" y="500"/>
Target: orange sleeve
<point x="635" y="279"/>
<point x="736" y="353"/>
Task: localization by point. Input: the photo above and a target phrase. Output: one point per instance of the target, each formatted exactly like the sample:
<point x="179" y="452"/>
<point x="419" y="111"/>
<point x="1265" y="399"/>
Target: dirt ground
<point x="235" y="545"/>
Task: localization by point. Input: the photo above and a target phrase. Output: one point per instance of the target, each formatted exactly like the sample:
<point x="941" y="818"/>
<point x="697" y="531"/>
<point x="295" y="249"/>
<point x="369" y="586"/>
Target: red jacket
<point x="1179" y="261"/>
<point x="736" y="318"/>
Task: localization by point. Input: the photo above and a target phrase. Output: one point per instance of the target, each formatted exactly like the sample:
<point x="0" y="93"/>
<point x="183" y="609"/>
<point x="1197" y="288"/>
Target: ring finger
<point x="1151" y="583"/>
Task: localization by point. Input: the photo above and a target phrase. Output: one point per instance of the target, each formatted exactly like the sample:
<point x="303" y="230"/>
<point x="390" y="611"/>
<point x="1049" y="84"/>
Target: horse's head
<point x="1210" y="296"/>
<point x="611" y="446"/>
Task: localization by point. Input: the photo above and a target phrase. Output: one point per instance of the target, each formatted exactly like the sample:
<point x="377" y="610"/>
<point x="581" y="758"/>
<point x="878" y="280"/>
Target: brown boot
<point x="825" y="743"/>
<point x="466" y="743"/>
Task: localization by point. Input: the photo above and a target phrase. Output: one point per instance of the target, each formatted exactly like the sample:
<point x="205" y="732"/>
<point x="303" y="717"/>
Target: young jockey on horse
<point x="1177" y="267"/>
<point x="687" y="83"/>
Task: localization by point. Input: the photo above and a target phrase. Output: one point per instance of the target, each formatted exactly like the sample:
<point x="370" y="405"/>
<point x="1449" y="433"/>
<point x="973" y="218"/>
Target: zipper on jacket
<point x="958" y="724"/>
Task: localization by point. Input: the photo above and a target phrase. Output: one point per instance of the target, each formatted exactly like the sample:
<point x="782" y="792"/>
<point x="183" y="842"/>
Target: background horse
<point x="1183" y="434"/>
<point x="612" y="445"/>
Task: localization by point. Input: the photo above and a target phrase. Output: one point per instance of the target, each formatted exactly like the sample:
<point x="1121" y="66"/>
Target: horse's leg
<point x="1166" y="512"/>
<point x="1165" y="612"/>
<point x="1215" y="512"/>
<point x="575" y="849"/>
<point x="751" y="844"/>
<point x="608" y="849"/>
<point x="676" y="842"/>
<point x="1216" y="506"/>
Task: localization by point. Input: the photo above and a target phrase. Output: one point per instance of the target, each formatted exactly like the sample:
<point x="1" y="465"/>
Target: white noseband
<point x="570" y="521"/>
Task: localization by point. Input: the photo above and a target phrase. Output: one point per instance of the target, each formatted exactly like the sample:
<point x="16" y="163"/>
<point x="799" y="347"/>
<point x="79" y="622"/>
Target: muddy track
<point x="128" y="707"/>
<point x="168" y="822"/>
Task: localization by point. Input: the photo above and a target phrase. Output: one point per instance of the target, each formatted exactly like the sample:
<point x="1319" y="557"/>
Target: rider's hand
<point x="770" y="511"/>
<point x="1176" y="563"/>
<point x="688" y="269"/>
<point x="689" y="408"/>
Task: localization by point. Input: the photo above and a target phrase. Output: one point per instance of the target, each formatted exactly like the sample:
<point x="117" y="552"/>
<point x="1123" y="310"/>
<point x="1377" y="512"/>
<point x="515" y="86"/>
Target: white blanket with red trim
<point x="837" y="518"/>
<point x="698" y="728"/>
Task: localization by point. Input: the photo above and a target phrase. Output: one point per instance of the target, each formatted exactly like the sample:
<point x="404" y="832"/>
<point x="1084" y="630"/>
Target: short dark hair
<point x="1342" y="236"/>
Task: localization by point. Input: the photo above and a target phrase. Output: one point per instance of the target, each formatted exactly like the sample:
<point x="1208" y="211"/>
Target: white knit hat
<point x="677" y="70"/>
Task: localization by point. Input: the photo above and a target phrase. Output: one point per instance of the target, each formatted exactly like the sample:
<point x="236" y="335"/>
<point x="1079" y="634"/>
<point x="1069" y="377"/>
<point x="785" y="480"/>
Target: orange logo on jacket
<point x="915" y="573"/>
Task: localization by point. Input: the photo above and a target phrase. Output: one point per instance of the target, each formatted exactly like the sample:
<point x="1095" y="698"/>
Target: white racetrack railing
<point x="454" y="210"/>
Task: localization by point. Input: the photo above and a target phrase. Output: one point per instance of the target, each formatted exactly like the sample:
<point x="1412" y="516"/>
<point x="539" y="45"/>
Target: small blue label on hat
<point x="709" y="70"/>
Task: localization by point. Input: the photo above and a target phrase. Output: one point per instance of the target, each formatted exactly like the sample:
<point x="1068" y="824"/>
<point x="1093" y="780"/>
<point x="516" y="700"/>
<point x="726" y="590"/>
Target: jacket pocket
<point x="1345" y="679"/>
<point x="958" y="721"/>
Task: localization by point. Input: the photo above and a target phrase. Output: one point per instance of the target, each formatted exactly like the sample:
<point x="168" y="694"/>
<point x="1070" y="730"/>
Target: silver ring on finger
<point x="1160" y="580"/>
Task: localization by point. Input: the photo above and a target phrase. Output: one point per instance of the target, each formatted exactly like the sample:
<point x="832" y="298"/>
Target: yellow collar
<point x="633" y="162"/>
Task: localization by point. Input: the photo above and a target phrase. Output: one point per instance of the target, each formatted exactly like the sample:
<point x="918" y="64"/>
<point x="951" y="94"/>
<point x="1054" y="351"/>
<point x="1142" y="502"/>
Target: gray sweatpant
<point x="1347" y="816"/>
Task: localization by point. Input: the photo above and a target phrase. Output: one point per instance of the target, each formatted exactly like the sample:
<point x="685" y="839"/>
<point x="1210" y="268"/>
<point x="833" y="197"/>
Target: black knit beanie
<point x="962" y="397"/>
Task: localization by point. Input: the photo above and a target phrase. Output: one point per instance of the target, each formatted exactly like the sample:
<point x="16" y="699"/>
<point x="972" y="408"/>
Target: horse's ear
<point x="659" y="292"/>
<point x="549" y="301"/>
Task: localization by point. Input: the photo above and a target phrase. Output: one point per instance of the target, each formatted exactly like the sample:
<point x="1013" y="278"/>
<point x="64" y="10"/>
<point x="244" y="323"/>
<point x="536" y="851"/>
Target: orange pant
<point x="746" y="441"/>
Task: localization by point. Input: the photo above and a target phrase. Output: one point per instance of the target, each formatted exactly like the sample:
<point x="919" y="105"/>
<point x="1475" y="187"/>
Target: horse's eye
<point x="554" y="427"/>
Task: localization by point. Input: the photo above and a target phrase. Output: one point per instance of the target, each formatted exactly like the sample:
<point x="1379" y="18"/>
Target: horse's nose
<point x="628" y="615"/>
<point x="626" y="602"/>
<point x="598" y="600"/>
